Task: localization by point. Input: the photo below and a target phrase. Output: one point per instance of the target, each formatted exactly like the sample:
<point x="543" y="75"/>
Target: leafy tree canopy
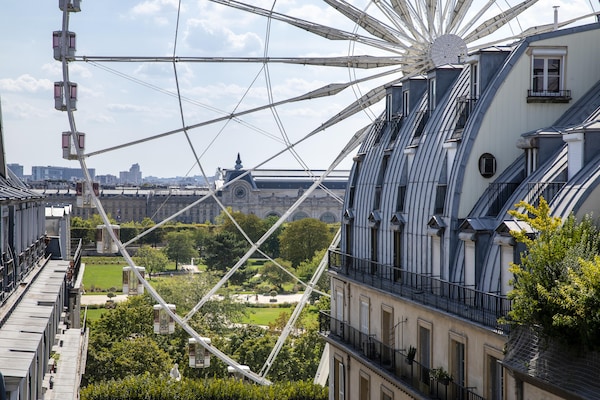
<point x="180" y="246"/>
<point x="557" y="282"/>
<point x="301" y="239"/>
<point x="152" y="259"/>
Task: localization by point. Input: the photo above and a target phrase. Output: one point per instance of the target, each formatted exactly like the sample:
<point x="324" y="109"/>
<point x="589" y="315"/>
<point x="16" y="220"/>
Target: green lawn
<point x="93" y="313"/>
<point x="264" y="316"/>
<point x="103" y="276"/>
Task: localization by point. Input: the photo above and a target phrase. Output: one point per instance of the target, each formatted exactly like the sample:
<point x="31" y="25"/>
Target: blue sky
<point x="124" y="101"/>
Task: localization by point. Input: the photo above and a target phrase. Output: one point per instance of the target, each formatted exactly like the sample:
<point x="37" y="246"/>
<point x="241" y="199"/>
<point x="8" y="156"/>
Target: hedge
<point x="148" y="387"/>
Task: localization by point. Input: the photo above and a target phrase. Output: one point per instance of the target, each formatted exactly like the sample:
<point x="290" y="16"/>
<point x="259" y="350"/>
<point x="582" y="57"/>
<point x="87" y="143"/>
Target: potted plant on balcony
<point x="410" y="355"/>
<point x="441" y="375"/>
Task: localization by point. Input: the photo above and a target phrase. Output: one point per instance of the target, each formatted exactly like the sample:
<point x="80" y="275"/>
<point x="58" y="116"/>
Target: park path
<point x="100" y="299"/>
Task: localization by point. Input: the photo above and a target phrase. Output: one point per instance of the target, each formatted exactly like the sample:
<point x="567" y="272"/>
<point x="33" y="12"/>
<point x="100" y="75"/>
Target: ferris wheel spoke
<point x="491" y="25"/>
<point x="413" y="14"/>
<point x="458" y="14"/>
<point x="404" y="30"/>
<point x="401" y="10"/>
<point x="365" y="21"/>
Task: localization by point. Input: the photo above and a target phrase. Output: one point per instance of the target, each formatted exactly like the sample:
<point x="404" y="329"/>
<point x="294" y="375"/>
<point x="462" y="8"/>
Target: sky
<point x="120" y="102"/>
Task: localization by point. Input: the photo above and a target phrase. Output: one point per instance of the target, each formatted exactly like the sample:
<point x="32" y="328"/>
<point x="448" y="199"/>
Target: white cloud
<point x="26" y="83"/>
<point x="213" y="38"/>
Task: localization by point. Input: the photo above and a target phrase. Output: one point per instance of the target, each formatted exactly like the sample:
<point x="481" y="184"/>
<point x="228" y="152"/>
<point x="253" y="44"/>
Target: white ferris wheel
<point x="287" y="65"/>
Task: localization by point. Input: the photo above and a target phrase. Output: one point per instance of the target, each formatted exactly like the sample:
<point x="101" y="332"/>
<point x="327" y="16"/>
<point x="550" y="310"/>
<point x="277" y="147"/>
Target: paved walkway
<point x="100" y="299"/>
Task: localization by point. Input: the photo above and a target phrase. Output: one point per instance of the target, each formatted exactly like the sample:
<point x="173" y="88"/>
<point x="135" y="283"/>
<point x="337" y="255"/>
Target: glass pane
<point x="538" y="66"/>
<point x="553" y="66"/>
<point x="553" y="84"/>
<point x="538" y="84"/>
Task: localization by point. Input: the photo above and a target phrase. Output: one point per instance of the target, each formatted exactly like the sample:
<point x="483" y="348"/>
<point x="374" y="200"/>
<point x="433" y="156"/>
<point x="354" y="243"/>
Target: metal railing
<point x="395" y="361"/>
<point x="464" y="107"/>
<point x="564" y="94"/>
<point x="455" y="298"/>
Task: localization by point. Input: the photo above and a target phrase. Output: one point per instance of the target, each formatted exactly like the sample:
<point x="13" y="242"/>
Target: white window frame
<point x="546" y="54"/>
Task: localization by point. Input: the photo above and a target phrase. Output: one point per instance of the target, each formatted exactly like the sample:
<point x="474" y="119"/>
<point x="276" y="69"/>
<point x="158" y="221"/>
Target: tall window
<point x="397" y="255"/>
<point x="339" y="381"/>
<point x="405" y="102"/>
<point x="546" y="74"/>
<point x="432" y="94"/>
<point x="424" y="347"/>
<point x="547" y="71"/>
<point x="374" y="247"/>
<point x="495" y="379"/>
<point x="364" y="316"/>
<point x="458" y="363"/>
<point x="474" y="81"/>
<point x="364" y="387"/>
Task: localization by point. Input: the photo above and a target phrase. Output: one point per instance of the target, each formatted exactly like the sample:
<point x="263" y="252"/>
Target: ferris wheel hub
<point x="447" y="49"/>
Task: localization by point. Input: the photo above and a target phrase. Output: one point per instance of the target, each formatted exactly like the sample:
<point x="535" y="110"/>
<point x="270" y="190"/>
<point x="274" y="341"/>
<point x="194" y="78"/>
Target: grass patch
<point x="102" y="277"/>
<point x="264" y="315"/>
<point x="93" y="314"/>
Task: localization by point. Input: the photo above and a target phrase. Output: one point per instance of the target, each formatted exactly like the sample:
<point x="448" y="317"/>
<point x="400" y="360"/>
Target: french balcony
<point x="463" y="301"/>
<point x="395" y="362"/>
<point x="548" y="96"/>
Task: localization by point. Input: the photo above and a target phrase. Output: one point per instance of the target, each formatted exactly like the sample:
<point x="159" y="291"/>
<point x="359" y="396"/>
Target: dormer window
<point x="405" y="101"/>
<point x="474" y="78"/>
<point x="432" y="94"/>
<point x="547" y="76"/>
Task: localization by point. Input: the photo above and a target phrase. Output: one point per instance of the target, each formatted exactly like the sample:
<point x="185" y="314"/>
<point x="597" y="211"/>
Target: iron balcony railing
<point x="464" y="107"/>
<point x="499" y="193"/>
<point x="455" y="298"/>
<point x="409" y="373"/>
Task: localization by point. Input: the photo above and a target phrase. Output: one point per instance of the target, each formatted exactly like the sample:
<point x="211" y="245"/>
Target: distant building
<point x="17" y="169"/>
<point x="50" y="173"/>
<point x="260" y="192"/>
<point x="131" y="177"/>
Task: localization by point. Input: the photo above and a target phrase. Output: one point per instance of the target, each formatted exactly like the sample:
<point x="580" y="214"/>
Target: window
<point x="432" y="94"/>
<point x="364" y="315"/>
<point x="388" y="107"/>
<point x="397" y="255"/>
<point x="458" y="359"/>
<point x="487" y="165"/>
<point x="474" y="80"/>
<point x="339" y="381"/>
<point x="386" y="394"/>
<point x="495" y="379"/>
<point x="548" y="76"/>
<point x="374" y="247"/>
<point x="424" y="347"/>
<point x="364" y="386"/>
<point x="405" y="102"/>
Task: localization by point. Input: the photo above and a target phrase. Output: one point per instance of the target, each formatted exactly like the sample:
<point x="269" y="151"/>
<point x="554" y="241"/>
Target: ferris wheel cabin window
<point x="548" y="76"/>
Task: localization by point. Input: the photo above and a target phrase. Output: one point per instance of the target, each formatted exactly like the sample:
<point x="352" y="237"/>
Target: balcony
<point x="407" y="373"/>
<point x="558" y="96"/>
<point x="474" y="305"/>
<point x="464" y="107"/>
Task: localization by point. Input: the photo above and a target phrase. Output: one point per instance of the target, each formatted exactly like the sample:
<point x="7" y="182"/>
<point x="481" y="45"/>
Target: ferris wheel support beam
<point x="298" y="310"/>
<point x="359" y="61"/>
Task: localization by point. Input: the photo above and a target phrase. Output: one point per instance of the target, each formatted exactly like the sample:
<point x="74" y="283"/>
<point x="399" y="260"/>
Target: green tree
<point x="271" y="244"/>
<point x="301" y="239"/>
<point x="180" y="246"/>
<point x="253" y="226"/>
<point x="557" y="273"/>
<point x="275" y="275"/>
<point x="152" y="238"/>
<point x="223" y="250"/>
<point x="152" y="259"/>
